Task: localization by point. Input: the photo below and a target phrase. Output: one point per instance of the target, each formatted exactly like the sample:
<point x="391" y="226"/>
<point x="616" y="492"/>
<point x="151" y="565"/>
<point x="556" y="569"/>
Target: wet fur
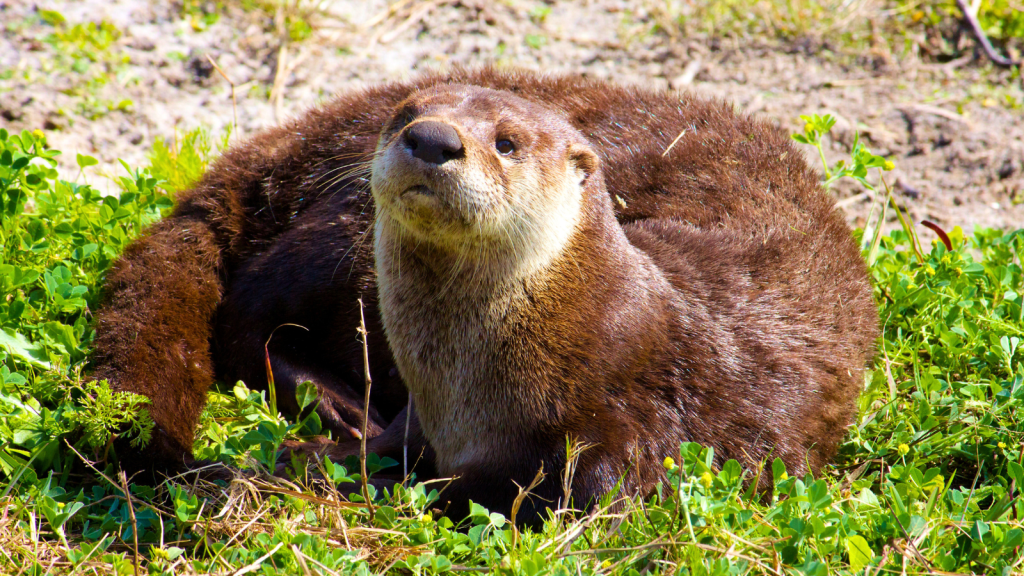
<point x="711" y="294"/>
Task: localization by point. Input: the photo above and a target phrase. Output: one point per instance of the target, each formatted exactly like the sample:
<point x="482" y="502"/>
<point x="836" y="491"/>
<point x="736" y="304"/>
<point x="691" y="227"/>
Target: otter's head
<point x="481" y="173"/>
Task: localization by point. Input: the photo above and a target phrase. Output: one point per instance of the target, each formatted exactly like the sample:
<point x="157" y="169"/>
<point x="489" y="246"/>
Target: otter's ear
<point x="584" y="160"/>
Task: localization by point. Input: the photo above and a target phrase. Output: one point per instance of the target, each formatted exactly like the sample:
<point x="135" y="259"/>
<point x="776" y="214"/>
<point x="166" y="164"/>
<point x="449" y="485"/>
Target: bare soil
<point x="954" y="130"/>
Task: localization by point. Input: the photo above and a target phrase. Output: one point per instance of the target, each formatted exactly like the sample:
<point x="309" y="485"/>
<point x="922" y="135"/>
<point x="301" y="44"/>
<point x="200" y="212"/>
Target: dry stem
<point x="366" y="411"/>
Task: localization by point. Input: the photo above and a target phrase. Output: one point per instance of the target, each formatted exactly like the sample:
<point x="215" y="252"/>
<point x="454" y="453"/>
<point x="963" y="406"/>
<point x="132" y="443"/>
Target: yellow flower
<point x="888" y="165"/>
<point x="706" y="479"/>
<point x="809" y="128"/>
<point x="39" y="134"/>
<point x="784" y="476"/>
<point x="903" y="449"/>
<point x="669" y="463"/>
<point x="606" y="564"/>
<point x="426" y="517"/>
<point x="1001" y="445"/>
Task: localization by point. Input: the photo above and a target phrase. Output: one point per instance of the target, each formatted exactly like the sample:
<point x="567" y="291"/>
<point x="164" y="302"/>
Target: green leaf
<point x="305" y="394"/>
<point x="52" y="17"/>
<point x="19" y="347"/>
<point x="1016" y="472"/>
<point x="859" y="551"/>
<point x="978" y="530"/>
<point x="85" y="161"/>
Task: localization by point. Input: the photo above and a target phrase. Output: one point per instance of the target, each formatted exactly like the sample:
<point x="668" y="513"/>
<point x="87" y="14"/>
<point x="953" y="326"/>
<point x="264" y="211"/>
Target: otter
<point x="542" y="259"/>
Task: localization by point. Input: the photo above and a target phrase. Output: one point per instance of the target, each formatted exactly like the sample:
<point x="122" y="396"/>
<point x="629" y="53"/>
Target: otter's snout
<point x="433" y="142"/>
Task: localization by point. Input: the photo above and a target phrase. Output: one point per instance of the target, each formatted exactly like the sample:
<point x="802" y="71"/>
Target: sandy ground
<point x="954" y="130"/>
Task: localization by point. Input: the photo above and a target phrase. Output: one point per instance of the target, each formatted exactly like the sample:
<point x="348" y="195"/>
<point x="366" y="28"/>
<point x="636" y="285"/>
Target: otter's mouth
<point x="419" y="190"/>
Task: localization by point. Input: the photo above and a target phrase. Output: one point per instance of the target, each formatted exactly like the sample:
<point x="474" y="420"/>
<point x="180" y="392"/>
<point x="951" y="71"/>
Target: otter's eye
<point x="504" y="147"/>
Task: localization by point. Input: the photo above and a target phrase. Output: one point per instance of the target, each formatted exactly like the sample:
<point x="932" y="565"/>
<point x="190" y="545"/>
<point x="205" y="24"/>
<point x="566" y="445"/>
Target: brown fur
<point x="711" y="294"/>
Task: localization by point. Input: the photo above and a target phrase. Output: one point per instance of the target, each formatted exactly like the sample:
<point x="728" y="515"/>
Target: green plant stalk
<point x="876" y="235"/>
<point x="907" y="227"/>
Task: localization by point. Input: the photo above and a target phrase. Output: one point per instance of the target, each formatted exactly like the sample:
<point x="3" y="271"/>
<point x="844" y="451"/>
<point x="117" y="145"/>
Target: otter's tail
<point x="153" y="332"/>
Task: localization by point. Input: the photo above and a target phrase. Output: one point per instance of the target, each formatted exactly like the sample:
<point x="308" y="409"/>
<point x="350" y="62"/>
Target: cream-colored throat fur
<point x="445" y="307"/>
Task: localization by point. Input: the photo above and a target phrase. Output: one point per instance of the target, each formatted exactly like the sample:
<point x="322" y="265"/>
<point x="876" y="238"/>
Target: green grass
<point x="88" y="53"/>
<point x="864" y="28"/>
<point x="928" y="479"/>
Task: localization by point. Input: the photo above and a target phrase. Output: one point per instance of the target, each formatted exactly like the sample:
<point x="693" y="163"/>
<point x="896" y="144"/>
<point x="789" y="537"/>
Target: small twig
<point x="910" y="540"/>
<point x="415" y="15"/>
<point x="937" y="111"/>
<point x="385" y="14"/>
<point x="234" y="101"/>
<point x="1013" y="484"/>
<point x="853" y="199"/>
<point x="689" y="73"/>
<point x="366" y="411"/>
<point x="135" y="524"/>
<point x="986" y="45"/>
<point x="405" y="441"/>
<point x="885" y="557"/>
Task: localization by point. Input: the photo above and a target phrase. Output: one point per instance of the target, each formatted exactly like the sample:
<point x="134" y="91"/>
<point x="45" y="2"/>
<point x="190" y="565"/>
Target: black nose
<point x="433" y="142"/>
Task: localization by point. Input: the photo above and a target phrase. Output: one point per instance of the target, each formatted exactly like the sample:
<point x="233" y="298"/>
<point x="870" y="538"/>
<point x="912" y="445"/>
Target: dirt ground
<point x="954" y="130"/>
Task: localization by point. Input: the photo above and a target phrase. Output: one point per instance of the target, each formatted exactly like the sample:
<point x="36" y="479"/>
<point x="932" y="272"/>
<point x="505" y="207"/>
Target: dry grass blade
<point x="669" y="148"/>
<point x="256" y="517"/>
<point x="564" y="539"/>
<point x="271" y="388"/>
<point x="127" y="495"/>
<point x="340" y="504"/>
<point x="234" y="100"/>
<point x="522" y="495"/>
<point x="301" y="558"/>
<point x="734" y="554"/>
<point x="259" y="561"/>
<point x="655" y="544"/>
<point x="573" y="449"/>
